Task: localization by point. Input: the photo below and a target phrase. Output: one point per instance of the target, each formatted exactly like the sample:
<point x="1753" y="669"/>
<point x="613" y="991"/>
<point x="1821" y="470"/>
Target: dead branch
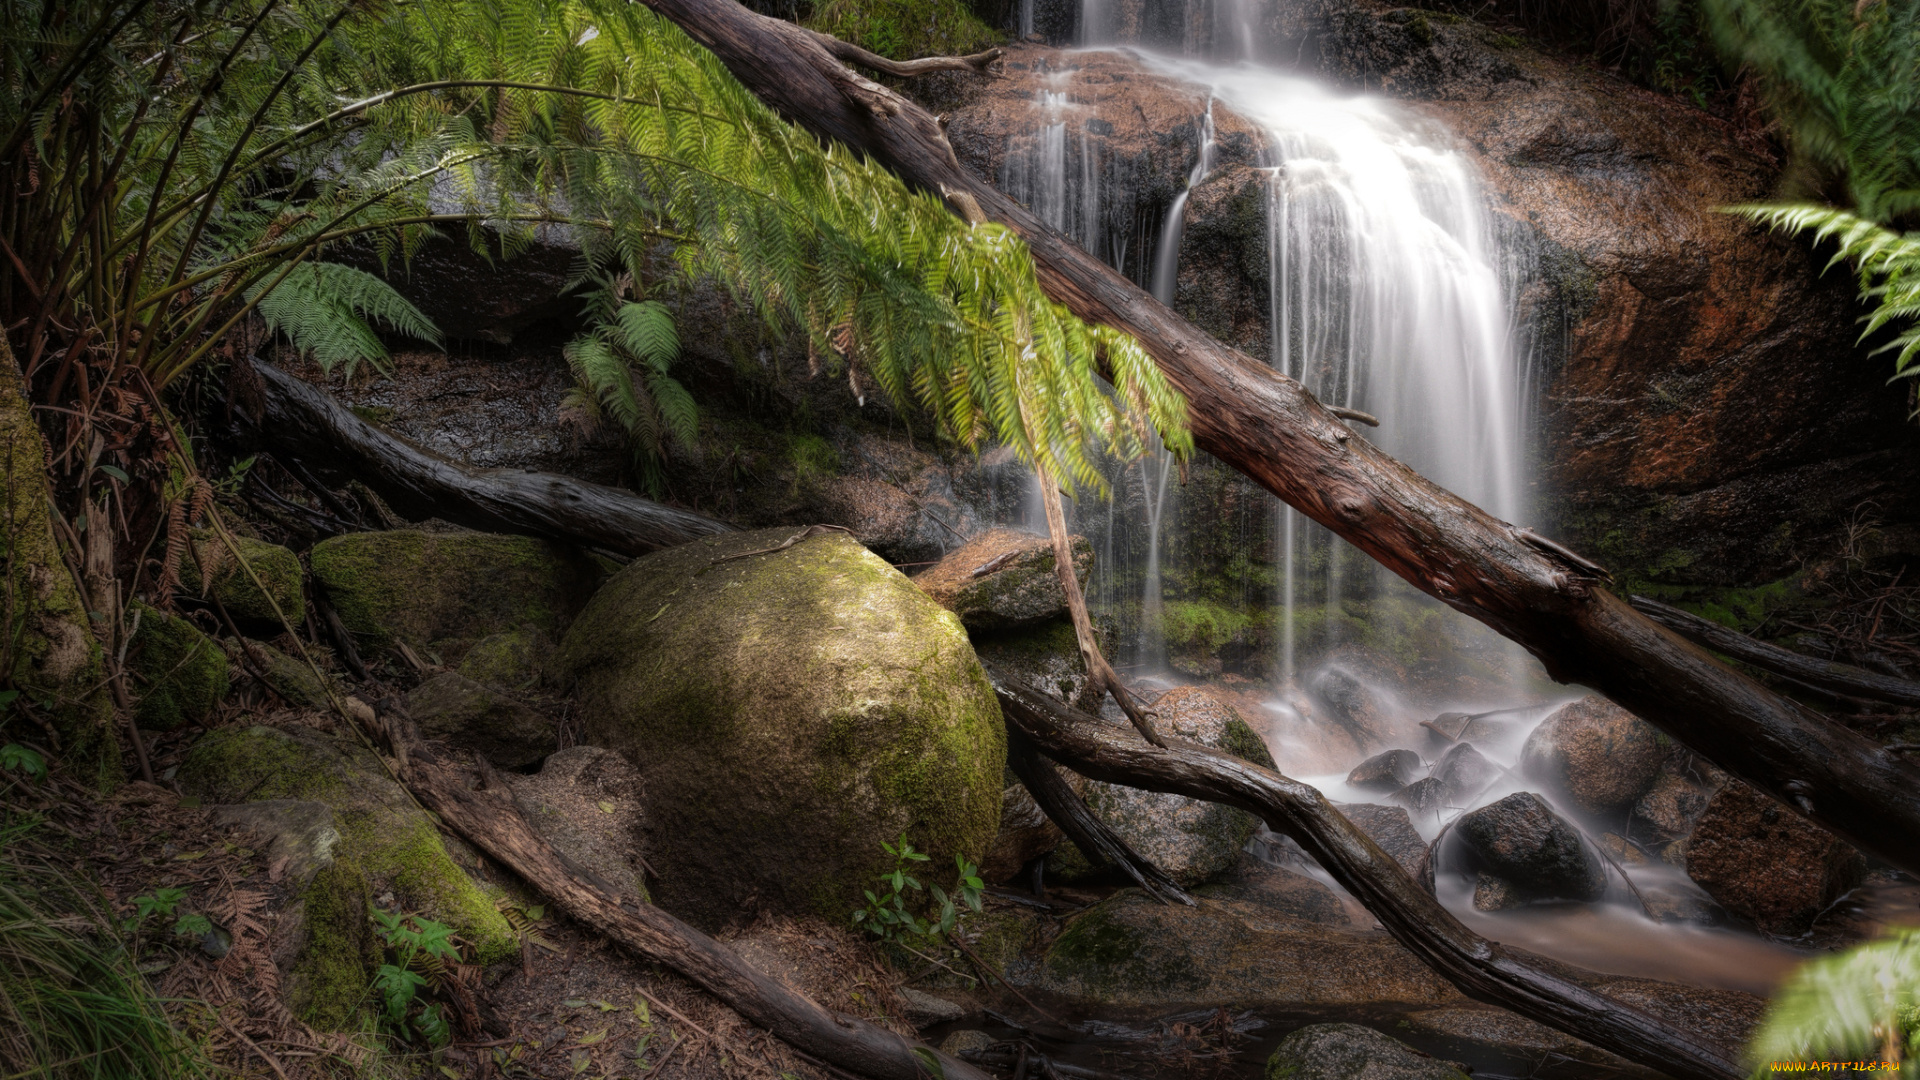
<point x="978" y="63"/>
<point x="1087" y="832"/>
<point x="1820" y="674"/>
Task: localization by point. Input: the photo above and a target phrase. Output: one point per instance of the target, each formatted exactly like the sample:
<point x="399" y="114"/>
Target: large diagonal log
<point x="1484" y="970"/>
<point x="1270" y="428"/>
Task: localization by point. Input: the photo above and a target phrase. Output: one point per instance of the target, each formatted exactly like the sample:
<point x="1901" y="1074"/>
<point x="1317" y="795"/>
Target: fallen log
<point x="1087" y="832"/>
<point x="1487" y="971"/>
<point x="1820" y="674"/>
<point x="1271" y="429"/>
<point x="487" y="817"/>
<point x="298" y="422"/>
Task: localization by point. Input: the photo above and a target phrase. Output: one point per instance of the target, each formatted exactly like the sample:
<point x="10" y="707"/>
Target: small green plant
<point x="420" y="949"/>
<point x="889" y="916"/>
<point x="15" y="758"/>
<point x="1863" y="1003"/>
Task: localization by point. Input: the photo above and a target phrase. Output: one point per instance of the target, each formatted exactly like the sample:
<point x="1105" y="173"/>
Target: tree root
<point x="1539" y="990"/>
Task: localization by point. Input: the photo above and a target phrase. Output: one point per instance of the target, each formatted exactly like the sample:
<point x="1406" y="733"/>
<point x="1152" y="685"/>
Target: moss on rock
<point x="293" y="679"/>
<point x="791" y="710"/>
<point x="54" y="656"/>
<point x="1352" y="1052"/>
<point x="512" y="660"/>
<point x="1004" y="578"/>
<point x="419" y="586"/>
<point x="329" y="986"/>
<point x="276" y="567"/>
<point x="180" y="673"/>
<point x="382" y="831"/>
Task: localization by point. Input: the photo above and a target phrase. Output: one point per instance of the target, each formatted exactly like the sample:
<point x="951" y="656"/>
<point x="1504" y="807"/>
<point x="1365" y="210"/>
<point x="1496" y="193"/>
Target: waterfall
<point x="1388" y="296"/>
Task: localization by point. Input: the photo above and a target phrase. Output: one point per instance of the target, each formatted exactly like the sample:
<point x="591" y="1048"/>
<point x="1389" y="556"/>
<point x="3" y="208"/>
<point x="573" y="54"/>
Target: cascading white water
<point x="1386" y="298"/>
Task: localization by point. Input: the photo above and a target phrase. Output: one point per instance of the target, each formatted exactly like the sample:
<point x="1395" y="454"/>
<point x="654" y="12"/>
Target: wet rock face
<point x="1352" y="1052"/>
<point x="1002" y="579"/>
<point x="1392" y="829"/>
<point x="1523" y="843"/>
<point x="1352" y="704"/>
<point x="1596" y="753"/>
<point x="1465" y="772"/>
<point x="1767" y="864"/>
<point x="1026" y="833"/>
<point x="1389" y="771"/>
<point x="1191" y="839"/>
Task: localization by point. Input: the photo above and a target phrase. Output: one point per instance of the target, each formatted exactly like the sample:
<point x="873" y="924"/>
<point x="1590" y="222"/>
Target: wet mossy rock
<point x="1004" y="578"/>
<point x="54" y="654"/>
<point x="289" y="676"/>
<point x="276" y="567"/>
<point x="482" y="718"/>
<point x="180" y="673"/>
<point x="790" y="711"/>
<point x="382" y="832"/>
<point x="1352" y="1052"/>
<point x="511" y="661"/>
<point x="418" y="586"/>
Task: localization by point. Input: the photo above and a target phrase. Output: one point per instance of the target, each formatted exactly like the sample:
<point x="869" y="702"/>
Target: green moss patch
<point x="332" y="977"/>
<point x="905" y="29"/>
<point x="179" y="673"/>
<point x="277" y="568"/>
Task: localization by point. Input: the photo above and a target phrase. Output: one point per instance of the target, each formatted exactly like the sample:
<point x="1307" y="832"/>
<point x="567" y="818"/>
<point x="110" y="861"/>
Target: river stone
<point x="276" y="567"/>
<point x="1003" y="578"/>
<point x="1598" y="754"/>
<point x="383" y="832"/>
<point x="794" y="709"/>
<point x="478" y="717"/>
<point x="1352" y="704"/>
<point x="1352" y="1052"/>
<point x="1673" y="805"/>
<point x="587" y="802"/>
<point x="1465" y="772"/>
<point x="1388" y="771"/>
<point x="1133" y="951"/>
<point x="1767" y="864"/>
<point x="417" y="586"/>
<point x="1452" y="727"/>
<point x="1190" y="839"/>
<point x="1520" y="839"/>
<point x="182" y="673"/>
<point x="1427" y="796"/>
<point x="1392" y="829"/>
<point x="1026" y="833"/>
<point x="1492" y="893"/>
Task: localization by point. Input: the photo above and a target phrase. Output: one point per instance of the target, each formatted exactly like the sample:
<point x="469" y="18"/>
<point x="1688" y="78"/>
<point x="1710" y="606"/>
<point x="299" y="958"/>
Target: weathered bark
<point x="978" y="63"/>
<point x="488" y="819"/>
<point x="1484" y="970"/>
<point x="1820" y="674"/>
<point x="304" y="423"/>
<point x="1087" y="832"/>
<point x="1270" y="428"/>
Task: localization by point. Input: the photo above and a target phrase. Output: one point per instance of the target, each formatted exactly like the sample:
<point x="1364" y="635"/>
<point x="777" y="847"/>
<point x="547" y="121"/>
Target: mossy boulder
<point x="289" y="676"/>
<point x="1044" y="655"/>
<point x="512" y="660"/>
<point x="180" y="673"/>
<point x="790" y="711"/>
<point x="335" y="963"/>
<point x="1188" y="838"/>
<point x="1352" y="1052"/>
<point x="277" y="568"/>
<point x="1004" y="578"/>
<point x="484" y="719"/>
<point x="382" y="832"/>
<point x="55" y="656"/>
<point x="418" y="586"/>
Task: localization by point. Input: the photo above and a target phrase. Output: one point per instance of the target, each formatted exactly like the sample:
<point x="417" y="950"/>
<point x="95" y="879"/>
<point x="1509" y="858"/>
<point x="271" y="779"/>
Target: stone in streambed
<point x="1597" y="754"/>
<point x="481" y="718"/>
<point x="1392" y="829"/>
<point x="1352" y="1052"/>
<point x="1465" y="772"/>
<point x="795" y="709"/>
<point x="1428" y="796"/>
<point x="1389" y="771"/>
<point x="1026" y="833"/>
<point x="1767" y="864"/>
<point x="1521" y="841"/>
<point x="1190" y="839"/>
<point x="1003" y="578"/>
<point x="1353" y="705"/>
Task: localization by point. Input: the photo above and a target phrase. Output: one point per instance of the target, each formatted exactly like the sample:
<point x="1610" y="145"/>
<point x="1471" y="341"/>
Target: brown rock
<point x="1671" y="807"/>
<point x="1596" y="753"/>
<point x="1003" y="578"/>
<point x="1389" y="770"/>
<point x="1392" y="829"/>
<point x="1767" y="864"/>
<point x="587" y="803"/>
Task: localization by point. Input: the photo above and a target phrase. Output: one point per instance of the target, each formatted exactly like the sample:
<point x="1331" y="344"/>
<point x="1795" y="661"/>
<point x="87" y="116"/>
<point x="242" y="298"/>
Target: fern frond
<point x="327" y="310"/>
<point x="1854" y="1006"/>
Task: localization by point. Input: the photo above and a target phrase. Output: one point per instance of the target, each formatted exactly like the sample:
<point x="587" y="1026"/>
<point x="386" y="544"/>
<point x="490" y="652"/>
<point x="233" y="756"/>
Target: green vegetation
<point x="621" y="368"/>
<point x="421" y="951"/>
<point x="1861" y="1005"/>
<point x="904" y="29"/>
<point x="890" y="917"/>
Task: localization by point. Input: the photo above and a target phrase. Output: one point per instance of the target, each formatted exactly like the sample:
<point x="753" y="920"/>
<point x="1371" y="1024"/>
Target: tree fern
<point x="1887" y="262"/>
<point x="621" y="372"/>
<point x="327" y="311"/>
<point x="1859" y="1005"/>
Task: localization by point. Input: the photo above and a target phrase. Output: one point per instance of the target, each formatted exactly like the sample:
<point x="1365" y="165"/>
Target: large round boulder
<point x="1596" y="753"/>
<point x="1767" y="864"/>
<point x="790" y="709"/>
